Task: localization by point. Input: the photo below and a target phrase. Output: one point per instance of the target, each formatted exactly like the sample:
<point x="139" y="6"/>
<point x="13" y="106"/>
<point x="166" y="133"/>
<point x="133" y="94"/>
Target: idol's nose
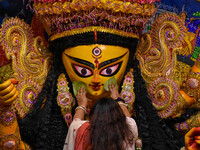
<point x="96" y="77"/>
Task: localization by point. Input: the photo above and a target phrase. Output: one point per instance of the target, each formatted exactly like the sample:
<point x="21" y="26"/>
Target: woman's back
<point x="108" y="126"/>
<point x="83" y="139"/>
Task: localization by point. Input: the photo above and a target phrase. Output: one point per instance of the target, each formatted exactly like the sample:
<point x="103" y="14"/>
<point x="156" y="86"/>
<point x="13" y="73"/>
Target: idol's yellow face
<point x="94" y="65"/>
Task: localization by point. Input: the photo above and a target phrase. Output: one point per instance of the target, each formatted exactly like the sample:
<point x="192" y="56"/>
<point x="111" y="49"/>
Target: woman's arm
<point x="82" y="104"/>
<point x="78" y="119"/>
<point x="115" y="95"/>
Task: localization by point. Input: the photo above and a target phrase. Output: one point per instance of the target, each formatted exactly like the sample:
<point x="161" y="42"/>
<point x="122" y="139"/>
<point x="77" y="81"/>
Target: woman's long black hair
<point x="46" y="129"/>
<point x="108" y="128"/>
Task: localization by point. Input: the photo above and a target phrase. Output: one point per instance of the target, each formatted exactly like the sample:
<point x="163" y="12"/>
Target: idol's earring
<point x="127" y="92"/>
<point x="65" y="99"/>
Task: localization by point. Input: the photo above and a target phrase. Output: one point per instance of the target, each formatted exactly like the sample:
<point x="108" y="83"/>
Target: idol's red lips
<point x="95" y="86"/>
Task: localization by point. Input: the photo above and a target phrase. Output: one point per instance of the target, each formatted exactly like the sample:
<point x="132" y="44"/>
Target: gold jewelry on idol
<point x="65" y="99"/>
<point x="127" y="92"/>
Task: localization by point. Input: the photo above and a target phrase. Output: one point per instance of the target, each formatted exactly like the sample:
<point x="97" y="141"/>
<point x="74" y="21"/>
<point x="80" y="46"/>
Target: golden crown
<point x="69" y="17"/>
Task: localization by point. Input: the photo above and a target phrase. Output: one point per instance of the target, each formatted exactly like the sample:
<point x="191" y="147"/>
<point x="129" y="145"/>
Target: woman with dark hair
<point x="110" y="126"/>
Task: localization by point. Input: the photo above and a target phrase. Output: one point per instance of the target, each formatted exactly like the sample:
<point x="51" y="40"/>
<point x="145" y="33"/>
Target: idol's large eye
<point x="111" y="70"/>
<point x="82" y="71"/>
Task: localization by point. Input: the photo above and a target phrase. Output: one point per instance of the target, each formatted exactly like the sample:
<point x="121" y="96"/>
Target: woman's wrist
<point x="83" y="104"/>
<point x="115" y="96"/>
<point x="122" y="103"/>
<point x="123" y="106"/>
<point x="119" y="99"/>
<point x="83" y="107"/>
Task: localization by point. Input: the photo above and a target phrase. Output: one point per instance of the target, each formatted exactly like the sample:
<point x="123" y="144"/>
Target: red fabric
<point x="82" y="140"/>
<point x="38" y="29"/>
<point x="3" y="59"/>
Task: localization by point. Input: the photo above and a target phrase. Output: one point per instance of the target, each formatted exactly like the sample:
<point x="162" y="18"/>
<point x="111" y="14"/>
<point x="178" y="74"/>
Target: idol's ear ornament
<point x="65" y="99"/>
<point x="30" y="61"/>
<point x="127" y="92"/>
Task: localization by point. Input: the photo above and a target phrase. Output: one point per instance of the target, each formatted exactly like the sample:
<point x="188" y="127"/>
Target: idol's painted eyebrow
<point x="110" y="61"/>
<point x="87" y="63"/>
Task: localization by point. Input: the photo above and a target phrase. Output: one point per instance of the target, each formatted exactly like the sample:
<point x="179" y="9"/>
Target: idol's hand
<point x="114" y="91"/>
<point x="192" y="139"/>
<point x="81" y="97"/>
<point x="8" y="92"/>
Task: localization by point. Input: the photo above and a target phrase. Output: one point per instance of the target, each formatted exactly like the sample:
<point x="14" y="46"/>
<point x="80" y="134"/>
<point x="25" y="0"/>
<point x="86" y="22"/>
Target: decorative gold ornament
<point x="181" y="72"/>
<point x="168" y="31"/>
<point x="127" y="92"/>
<point x="63" y="18"/>
<point x="8" y="115"/>
<point x="30" y="63"/>
<point x="64" y="99"/>
<point x="6" y="72"/>
<point x="173" y="86"/>
<point x="164" y="94"/>
<point x="157" y="51"/>
<point x="92" y="29"/>
<point x="186" y="126"/>
<point x="193" y="85"/>
<point x="198" y="64"/>
<point x="27" y="147"/>
<point x="10" y="141"/>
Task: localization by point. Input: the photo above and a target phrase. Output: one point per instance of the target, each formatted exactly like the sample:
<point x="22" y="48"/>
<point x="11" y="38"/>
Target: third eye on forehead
<point x="91" y="65"/>
<point x="96" y="51"/>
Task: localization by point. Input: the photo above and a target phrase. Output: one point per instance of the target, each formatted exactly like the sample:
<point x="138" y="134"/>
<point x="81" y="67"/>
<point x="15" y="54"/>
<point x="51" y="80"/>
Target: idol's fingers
<point x="9" y="95"/>
<point x="12" y="99"/>
<point x="6" y="90"/>
<point x="5" y="84"/>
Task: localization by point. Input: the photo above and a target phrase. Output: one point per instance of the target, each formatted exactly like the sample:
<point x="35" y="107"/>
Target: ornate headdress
<point x="69" y="17"/>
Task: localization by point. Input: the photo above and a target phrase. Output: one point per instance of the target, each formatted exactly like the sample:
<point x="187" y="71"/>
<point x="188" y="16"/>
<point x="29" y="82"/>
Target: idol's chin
<point x="94" y="97"/>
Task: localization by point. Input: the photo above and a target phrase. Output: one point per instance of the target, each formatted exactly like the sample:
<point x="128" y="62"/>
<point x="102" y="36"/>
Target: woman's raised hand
<point x="8" y="92"/>
<point x="114" y="91"/>
<point x="81" y="97"/>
